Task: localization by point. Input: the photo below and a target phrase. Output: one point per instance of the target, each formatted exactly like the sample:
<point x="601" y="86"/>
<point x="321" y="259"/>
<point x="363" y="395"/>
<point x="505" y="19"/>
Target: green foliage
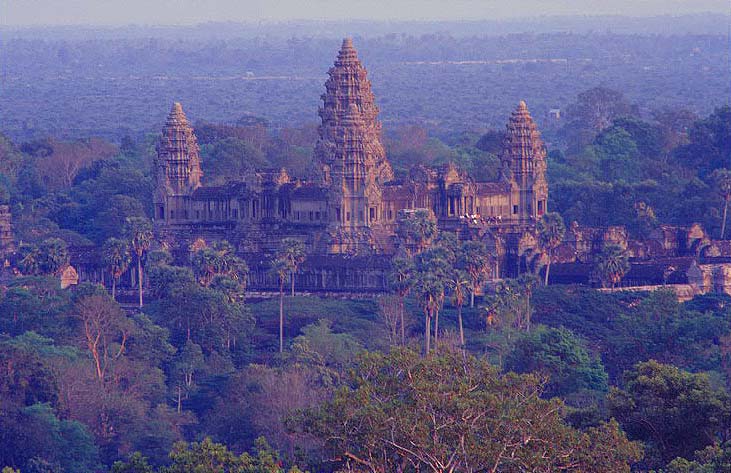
<point x="53" y="257"/>
<point x="320" y="346"/>
<point x="551" y="231"/>
<point x="572" y="370"/>
<point x="230" y="159"/>
<point x="628" y="328"/>
<point x="709" y="143"/>
<point x="33" y="435"/>
<point x="117" y="259"/>
<point x="617" y="154"/>
<point x="291" y="255"/>
<point x="210" y="457"/>
<point x="476" y="261"/>
<point x="611" y="264"/>
<point x="674" y="412"/>
<point x="136" y="464"/>
<point x="711" y="459"/>
<point x="416" y="229"/>
<point x="35" y="304"/>
<point x="451" y="412"/>
<point x="220" y="260"/>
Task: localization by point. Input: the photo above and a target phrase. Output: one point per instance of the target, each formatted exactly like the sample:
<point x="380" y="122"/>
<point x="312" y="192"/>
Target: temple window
<point x="347" y="216"/>
<point x="515" y="210"/>
<point x="540" y="207"/>
<point x="311" y="216"/>
<point x="372" y="214"/>
<point x="172" y="214"/>
<point x="360" y="215"/>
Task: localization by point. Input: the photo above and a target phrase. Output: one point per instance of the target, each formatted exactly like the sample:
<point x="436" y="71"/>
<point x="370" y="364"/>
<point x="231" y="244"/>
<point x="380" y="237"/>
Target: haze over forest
<point x="111" y="81"/>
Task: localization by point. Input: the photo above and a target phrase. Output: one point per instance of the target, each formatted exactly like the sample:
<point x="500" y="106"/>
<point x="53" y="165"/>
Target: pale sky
<point x="186" y="12"/>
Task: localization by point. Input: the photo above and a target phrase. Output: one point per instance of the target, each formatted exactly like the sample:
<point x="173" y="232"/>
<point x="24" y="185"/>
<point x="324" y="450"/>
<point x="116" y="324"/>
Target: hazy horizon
<point x="39" y="13"/>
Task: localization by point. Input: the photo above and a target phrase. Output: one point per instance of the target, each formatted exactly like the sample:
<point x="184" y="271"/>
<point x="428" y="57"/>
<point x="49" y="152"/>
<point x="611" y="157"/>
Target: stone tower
<point x="6" y="233"/>
<point x="523" y="159"/>
<point x="349" y="154"/>
<point x="178" y="167"/>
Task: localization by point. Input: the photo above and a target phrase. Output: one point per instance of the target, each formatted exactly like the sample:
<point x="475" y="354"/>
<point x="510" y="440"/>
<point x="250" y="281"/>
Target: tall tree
<point x="459" y="283"/>
<point x="117" y="259"/>
<point x="551" y="231"/>
<point x="431" y="276"/>
<point x="292" y="254"/>
<point x="722" y="181"/>
<point x="455" y="413"/>
<point x="476" y="261"/>
<point x="54" y="255"/>
<point x="30" y="256"/>
<point x="401" y="281"/>
<point x="281" y="270"/>
<point x="611" y="264"/>
<point x="139" y="233"/>
<point x="105" y="331"/>
<point x="416" y="228"/>
<point x="675" y="412"/>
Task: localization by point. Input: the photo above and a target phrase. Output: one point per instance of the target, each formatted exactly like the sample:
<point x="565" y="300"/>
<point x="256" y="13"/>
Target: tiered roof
<point x="350" y="133"/>
<point x="523" y="149"/>
<point x="178" y="151"/>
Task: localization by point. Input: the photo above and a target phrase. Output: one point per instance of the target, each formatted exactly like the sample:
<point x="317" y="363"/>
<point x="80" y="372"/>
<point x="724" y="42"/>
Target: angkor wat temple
<point x="351" y="203"/>
<point x="347" y="210"/>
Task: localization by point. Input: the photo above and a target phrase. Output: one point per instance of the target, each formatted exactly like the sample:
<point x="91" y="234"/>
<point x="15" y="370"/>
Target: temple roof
<point x="522" y="140"/>
<point x="347" y="53"/>
<point x="176" y="117"/>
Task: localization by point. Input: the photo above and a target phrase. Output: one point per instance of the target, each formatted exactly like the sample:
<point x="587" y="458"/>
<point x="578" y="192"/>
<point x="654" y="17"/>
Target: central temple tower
<point x="178" y="168"/>
<point x="524" y="165"/>
<point x="349" y="154"/>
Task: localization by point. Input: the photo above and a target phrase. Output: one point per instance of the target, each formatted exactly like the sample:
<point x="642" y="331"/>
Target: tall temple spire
<point x="178" y="153"/>
<point x="349" y="153"/>
<point x="524" y="161"/>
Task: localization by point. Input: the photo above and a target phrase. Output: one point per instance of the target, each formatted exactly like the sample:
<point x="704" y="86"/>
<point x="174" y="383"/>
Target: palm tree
<point x="54" y="255"/>
<point x="139" y="233"/>
<point x="722" y="180"/>
<point x="459" y="282"/>
<point x="205" y="264"/>
<point x="292" y="253"/>
<point x="611" y="265"/>
<point x="281" y="270"/>
<point x="117" y="258"/>
<point x="401" y="280"/>
<point x="416" y="227"/>
<point x="30" y="257"/>
<point x="476" y="261"/>
<point x="428" y="289"/>
<point x="551" y="231"/>
<point x="433" y="271"/>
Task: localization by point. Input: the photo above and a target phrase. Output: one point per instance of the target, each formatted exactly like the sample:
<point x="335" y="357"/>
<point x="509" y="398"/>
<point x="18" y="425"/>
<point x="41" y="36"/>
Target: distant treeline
<point x="79" y="86"/>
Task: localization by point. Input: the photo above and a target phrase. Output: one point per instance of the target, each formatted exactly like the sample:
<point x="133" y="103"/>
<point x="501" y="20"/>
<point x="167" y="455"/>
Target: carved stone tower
<point x="523" y="159"/>
<point x="6" y="233"/>
<point x="178" y="167"/>
<point x="349" y="154"/>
